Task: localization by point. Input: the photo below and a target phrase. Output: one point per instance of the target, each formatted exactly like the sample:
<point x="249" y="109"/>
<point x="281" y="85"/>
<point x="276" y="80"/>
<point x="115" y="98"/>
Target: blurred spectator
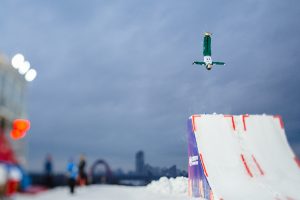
<point x="3" y="180"/>
<point x="72" y="175"/>
<point x="14" y="179"/>
<point x="82" y="178"/>
<point x="48" y="169"/>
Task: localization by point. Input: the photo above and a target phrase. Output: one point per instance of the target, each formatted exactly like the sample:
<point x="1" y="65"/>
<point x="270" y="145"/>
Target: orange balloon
<point x="20" y="126"/>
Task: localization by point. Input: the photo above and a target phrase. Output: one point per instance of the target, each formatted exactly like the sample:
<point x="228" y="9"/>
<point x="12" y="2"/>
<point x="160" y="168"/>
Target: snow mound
<point x="165" y="185"/>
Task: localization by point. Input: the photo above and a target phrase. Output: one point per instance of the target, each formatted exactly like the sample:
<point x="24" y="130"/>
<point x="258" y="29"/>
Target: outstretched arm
<point x="218" y="63"/>
<point x="198" y="63"/>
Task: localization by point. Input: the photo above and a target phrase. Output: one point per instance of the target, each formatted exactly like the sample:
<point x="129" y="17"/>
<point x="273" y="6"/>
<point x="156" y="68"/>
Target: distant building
<point x="140" y="163"/>
<point x="172" y="171"/>
<point x="12" y="104"/>
<point x="145" y="169"/>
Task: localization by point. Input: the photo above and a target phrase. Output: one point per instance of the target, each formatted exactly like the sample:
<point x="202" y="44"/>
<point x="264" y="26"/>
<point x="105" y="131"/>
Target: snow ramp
<point x="241" y="157"/>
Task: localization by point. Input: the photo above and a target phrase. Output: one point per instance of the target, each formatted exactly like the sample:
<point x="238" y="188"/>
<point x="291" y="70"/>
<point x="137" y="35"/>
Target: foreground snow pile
<point x="110" y="192"/>
<point x="164" y="185"/>
<point x="163" y="189"/>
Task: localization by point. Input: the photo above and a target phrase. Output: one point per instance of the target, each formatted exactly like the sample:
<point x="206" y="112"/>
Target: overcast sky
<point x="115" y="77"/>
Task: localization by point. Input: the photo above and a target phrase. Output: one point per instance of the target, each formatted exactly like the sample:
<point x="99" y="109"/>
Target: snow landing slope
<point x="241" y="157"/>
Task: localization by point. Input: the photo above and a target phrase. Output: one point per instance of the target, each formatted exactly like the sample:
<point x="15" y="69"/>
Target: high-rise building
<point x="139" y="162"/>
<point x="12" y="105"/>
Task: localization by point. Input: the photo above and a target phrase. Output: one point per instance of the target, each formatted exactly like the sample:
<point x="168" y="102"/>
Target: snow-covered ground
<point x="164" y="189"/>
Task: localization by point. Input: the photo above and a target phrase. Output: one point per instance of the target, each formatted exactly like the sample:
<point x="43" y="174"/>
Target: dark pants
<point x="82" y="179"/>
<point x="49" y="180"/>
<point x="72" y="183"/>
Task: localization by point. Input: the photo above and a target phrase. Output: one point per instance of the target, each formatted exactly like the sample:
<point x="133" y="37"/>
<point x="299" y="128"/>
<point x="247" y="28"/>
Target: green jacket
<point x="207" y="45"/>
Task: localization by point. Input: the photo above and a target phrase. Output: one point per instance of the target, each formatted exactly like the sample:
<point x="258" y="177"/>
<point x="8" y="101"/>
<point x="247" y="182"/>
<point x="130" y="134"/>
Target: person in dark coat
<point x="82" y="178"/>
<point x="48" y="168"/>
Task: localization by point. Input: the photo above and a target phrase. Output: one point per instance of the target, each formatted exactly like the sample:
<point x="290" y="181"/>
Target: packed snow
<point x="164" y="185"/>
<point x="163" y="189"/>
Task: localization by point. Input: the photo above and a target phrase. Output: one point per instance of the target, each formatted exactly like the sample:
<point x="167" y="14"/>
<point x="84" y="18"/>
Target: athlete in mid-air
<point x="208" y="63"/>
